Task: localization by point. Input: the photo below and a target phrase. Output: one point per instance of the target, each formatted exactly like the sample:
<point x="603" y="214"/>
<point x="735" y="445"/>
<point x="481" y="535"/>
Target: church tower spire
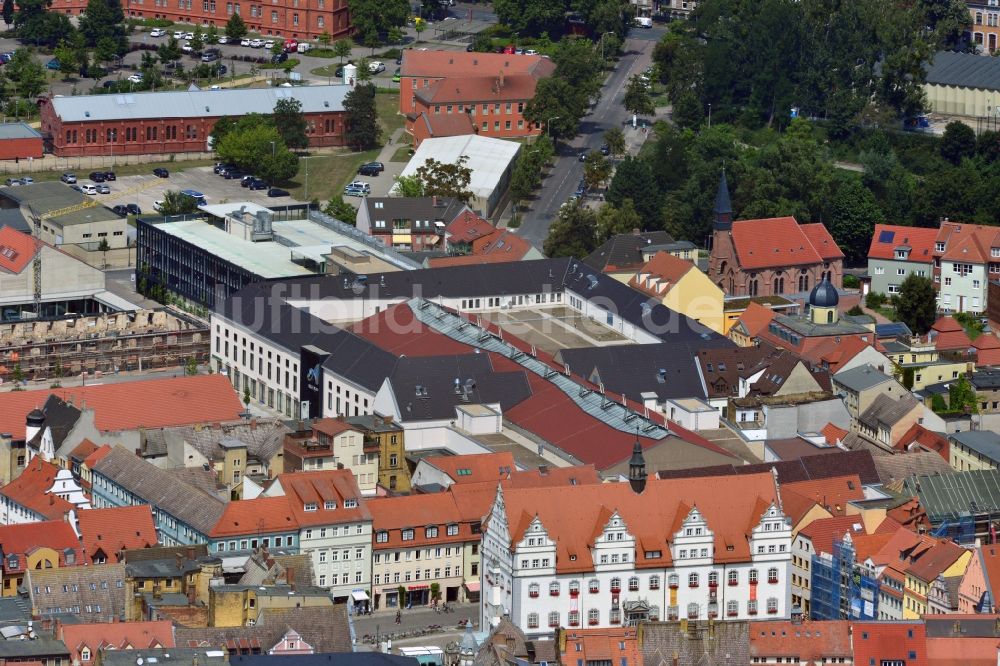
<point x="723" y="206"/>
<point x="637" y="468"/>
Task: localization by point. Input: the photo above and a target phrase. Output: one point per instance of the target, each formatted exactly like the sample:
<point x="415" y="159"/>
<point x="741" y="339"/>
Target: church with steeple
<point x="768" y="257"/>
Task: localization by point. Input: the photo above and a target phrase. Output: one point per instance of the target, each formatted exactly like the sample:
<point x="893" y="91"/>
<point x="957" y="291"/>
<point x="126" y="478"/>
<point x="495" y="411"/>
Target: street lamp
<point x="610" y="32"/>
<point x="548" y="125"/>
<point x="272" y="149"/>
<point x="709" y="115"/>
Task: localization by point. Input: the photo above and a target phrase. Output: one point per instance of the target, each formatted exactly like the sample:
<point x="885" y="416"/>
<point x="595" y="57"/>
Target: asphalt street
<point x="566" y="173"/>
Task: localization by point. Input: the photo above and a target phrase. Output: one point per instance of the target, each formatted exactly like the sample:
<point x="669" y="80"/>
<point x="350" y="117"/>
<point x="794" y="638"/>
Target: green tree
<point x="66" y="56"/>
<point x="409" y="186"/>
<point x="633" y="180"/>
<point x="435" y="591"/>
<point x="419" y="25"/>
<point x="612" y="220"/>
<point x="363" y="129"/>
<point x="8" y="12"/>
<point x="615" y="139"/>
<point x="103" y="248"/>
<point x="324" y="39"/>
<point x="198" y="40"/>
<point x="291" y="123"/>
<point x="169" y="51"/>
<point x="531" y="17"/>
<point x="596" y="169"/>
<point x="337" y="208"/>
<point x="36" y="25"/>
<point x="377" y="16"/>
<point x="637" y="98"/>
<point x="364" y="74"/>
<point x="106" y="50"/>
<point x="258" y="148"/>
<point x="175" y="203"/>
<point x="212" y="35"/>
<point x="962" y="396"/>
<point x="342" y="49"/>
<point x="446" y="180"/>
<point x="278" y="48"/>
<point x="104" y="20"/>
<point x="687" y="111"/>
<point x="25" y="73"/>
<point x="958" y="142"/>
<point x="482" y="43"/>
<point x="852" y="219"/>
<point x="246" y="391"/>
<point x="916" y="303"/>
<point x="396" y="35"/>
<point x="573" y="233"/>
<point x="556" y="106"/>
<point x="236" y="29"/>
<point x="191" y="366"/>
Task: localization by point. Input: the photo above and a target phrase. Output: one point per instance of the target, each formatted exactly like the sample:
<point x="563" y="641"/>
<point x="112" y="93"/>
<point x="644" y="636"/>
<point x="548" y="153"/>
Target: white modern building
<point x="616" y="554"/>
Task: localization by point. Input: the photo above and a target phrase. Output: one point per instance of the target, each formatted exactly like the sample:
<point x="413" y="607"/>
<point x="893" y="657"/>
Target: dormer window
<point x="350" y="503"/>
<point x="431" y="532"/>
<point x="408" y="534"/>
<point x="309" y="506"/>
<point x="329" y="505"/>
<point x="381" y="536"/>
<point x="85" y="654"/>
<point x="939" y="247"/>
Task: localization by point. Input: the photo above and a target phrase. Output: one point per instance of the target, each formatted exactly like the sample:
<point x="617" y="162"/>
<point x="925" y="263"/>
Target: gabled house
<point x="897" y="252"/>
<point x="85" y="641"/>
<point x="680" y="286"/>
<point x="107" y="533"/>
<point x="43" y="545"/>
<point x="409" y="223"/>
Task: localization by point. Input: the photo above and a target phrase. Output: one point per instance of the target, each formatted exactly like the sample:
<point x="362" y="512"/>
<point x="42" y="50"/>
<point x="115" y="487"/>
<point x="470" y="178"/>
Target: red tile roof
<point x="833" y="493"/>
<point x="617" y="645"/>
<point x="499" y="246"/>
<point x="437" y="64"/>
<point x="990" y="557"/>
<point x="574" y="515"/>
<point x="333" y="427"/>
<point x="107" y="532"/>
<point x="476" y="467"/>
<point x="16" y="249"/>
<point x="418" y="512"/>
<point x="834" y="434"/>
<point x="843" y="352"/>
<point x="934" y="561"/>
<point x="31" y="490"/>
<point x="115" y="635"/>
<point x="960" y="651"/>
<point x="889" y="641"/>
<point x="97" y="455"/>
<point x="949" y="334"/>
<point x="151" y="403"/>
<point x="888" y="237"/>
<point x="918" y="435"/>
<point x="457" y="124"/>
<point x="987" y="349"/>
<point x="810" y="642"/>
<point x="335" y="485"/>
<point x="971" y="243"/>
<point x="660" y="274"/>
<point x="822" y="241"/>
<point x="777" y="241"/>
<point x="467" y="227"/>
<point x="796" y="506"/>
<point x="83" y="449"/>
<point x="24" y="538"/>
<point x="265" y="515"/>
<point x="548" y="412"/>
<point x="479" y="87"/>
<point x="755" y="318"/>
<point x="825" y="531"/>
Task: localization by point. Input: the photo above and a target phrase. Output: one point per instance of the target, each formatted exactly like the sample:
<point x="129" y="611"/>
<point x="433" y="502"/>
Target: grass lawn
<point x="402" y="154"/>
<point x="328" y="174"/>
<point x="326" y="70"/>
<point x="888" y="312"/>
<point x="123" y="169"/>
<point x="388" y="112"/>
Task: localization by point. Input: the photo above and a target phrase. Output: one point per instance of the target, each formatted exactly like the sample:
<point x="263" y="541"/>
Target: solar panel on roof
<point x="886" y="236"/>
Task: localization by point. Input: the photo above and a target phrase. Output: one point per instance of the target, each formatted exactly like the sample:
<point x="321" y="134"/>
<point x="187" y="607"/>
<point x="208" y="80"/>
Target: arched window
<point x="692" y="611"/>
<point x="752" y="291"/>
<point x="734" y="577"/>
<point x="616" y="584"/>
<point x="803" y="280"/>
<point x="713" y="579"/>
<point x="772" y="575"/>
<point x="574" y="587"/>
<point x="533" y="590"/>
<point x="693" y="580"/>
<point x="753" y="576"/>
<point x="673" y="580"/>
<point x="633" y="584"/>
<point x="594" y="585"/>
<point x="829" y="317"/>
<point x="532" y="620"/>
<point x="593" y="616"/>
<point x="554" y="619"/>
<point x="553" y="589"/>
<point x="654" y="582"/>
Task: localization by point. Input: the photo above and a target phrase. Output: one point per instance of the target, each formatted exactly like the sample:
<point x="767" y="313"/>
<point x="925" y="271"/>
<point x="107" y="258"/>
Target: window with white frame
<point x="732" y="608"/>
<point x="633" y="584"/>
<point x="692" y="611"/>
<point x="593" y="616"/>
<point x="733" y="577"/>
<point x="554" y="619"/>
<point x="654" y="582"/>
<point x="772" y="605"/>
<point x="532" y="620"/>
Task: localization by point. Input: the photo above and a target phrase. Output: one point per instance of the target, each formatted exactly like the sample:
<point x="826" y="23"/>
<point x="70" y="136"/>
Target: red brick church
<point x="774" y="256"/>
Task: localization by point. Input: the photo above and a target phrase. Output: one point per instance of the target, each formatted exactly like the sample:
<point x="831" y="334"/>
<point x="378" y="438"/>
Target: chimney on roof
<point x="192" y="593"/>
<point x="290" y="577"/>
<point x="180" y="561"/>
<point x="190" y="552"/>
<point x="500" y="80"/>
<point x="387" y="420"/>
<point x="253" y="424"/>
<point x="434" y="201"/>
<point x="543" y="470"/>
<point x="216" y="426"/>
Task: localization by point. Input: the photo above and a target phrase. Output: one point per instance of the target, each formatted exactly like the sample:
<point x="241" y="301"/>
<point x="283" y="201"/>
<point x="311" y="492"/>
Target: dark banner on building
<point x="311" y="381"/>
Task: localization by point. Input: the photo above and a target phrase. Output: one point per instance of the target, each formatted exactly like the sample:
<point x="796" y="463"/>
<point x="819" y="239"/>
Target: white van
<point x="644" y="21"/>
<point x="303" y="47"/>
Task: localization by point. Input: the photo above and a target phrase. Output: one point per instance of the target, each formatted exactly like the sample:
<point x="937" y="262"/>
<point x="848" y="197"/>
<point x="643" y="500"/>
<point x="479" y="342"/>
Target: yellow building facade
<point x="680" y="286"/>
<point x="915" y="589"/>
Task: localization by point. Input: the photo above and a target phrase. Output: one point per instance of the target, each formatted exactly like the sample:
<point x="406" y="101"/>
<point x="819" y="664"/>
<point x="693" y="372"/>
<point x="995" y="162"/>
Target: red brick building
<point x="176" y="122"/>
<point x="301" y="19"/>
<point x="769" y="257"/>
<point x="19" y="141"/>
<point x="444" y="93"/>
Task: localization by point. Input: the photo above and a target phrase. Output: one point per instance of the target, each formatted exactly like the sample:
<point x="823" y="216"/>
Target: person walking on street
<point x="399" y="616"/>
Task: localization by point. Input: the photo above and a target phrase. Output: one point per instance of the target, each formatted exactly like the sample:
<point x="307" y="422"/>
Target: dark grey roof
<point x="262" y="437"/>
<point x="92" y="592"/>
<point x="25" y="650"/>
<point x="44" y="197"/>
<point x="824" y="295"/>
<point x="915" y="463"/>
<point x="435" y="375"/>
<point x="803" y="469"/>
<point x="888" y="411"/>
<point x="986" y="379"/>
<point x="636" y="369"/>
<point x="984" y="442"/>
<point x="175" y="655"/>
<point x="325" y="659"/>
<point x="964" y="70"/>
<point x="414" y="208"/>
<point x="805" y="327"/>
<point x="625" y="250"/>
<point x="966" y="626"/>
<point x="14" y="609"/>
<point x="374" y="423"/>
<point x="892" y="329"/>
<point x="948" y="496"/>
<point x="703" y="643"/>
<point x="60" y="417"/>
<point x="861" y="378"/>
<point x="165" y="568"/>
<point x="325" y="628"/>
<point x="18" y="131"/>
<point x="12" y="217"/>
<point x="161" y="489"/>
<point x="723" y="205"/>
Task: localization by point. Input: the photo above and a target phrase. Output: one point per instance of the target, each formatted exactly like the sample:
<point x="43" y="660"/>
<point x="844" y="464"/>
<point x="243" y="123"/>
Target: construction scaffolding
<point x="960" y="530"/>
<point x="841" y="588"/>
<point x="103" y="343"/>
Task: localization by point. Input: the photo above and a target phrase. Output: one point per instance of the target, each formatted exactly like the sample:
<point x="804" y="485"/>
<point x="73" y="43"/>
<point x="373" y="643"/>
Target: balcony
<point x="712" y="584"/>
<point x="693" y="584"/>
<point x="554" y="593"/>
<point x="616" y="589"/>
<point x="574" y="592"/>
<point x="574" y="622"/>
<point x="533" y="594"/>
<point x="732" y="613"/>
<point x="733" y="582"/>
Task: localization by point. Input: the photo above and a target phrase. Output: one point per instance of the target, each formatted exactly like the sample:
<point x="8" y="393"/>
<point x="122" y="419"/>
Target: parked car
<point x="396" y="75"/>
<point x="644" y="21"/>
<point x="69" y="178"/>
<point x="13" y="182"/>
<point x="97" y="176"/>
<point x="76" y="187"/>
<point x="189" y="35"/>
<point x="291" y="45"/>
<point x="371" y="169"/>
<point x="133" y="209"/>
<point x="269" y="44"/>
<point x="110" y="175"/>
<point x="220" y="70"/>
<point x="277" y="192"/>
<point x="581" y="189"/>
<point x="278" y="58"/>
<point x="196" y="195"/>
<point x="157" y="32"/>
<point x="339" y="72"/>
<point x="211" y="55"/>
<point x="179" y="34"/>
<point x="605" y="149"/>
<point x="258" y="184"/>
<point x="187" y="48"/>
<point x="303" y="47"/>
<point x="27" y="180"/>
<point x="245" y="180"/>
<point x="52" y="64"/>
<point x="232" y="174"/>
<point x="160" y="172"/>
<point x="352" y="191"/>
<point x="583" y="156"/>
<point x="245" y="41"/>
<point x="158" y="205"/>
<point x="110" y="83"/>
<point x="376" y="66"/>
<point x="361" y="184"/>
<point x="135" y="78"/>
<point x="120" y="210"/>
<point x="103" y="189"/>
<point x="509" y="49"/>
<point x="88" y="188"/>
<point x="256" y="43"/>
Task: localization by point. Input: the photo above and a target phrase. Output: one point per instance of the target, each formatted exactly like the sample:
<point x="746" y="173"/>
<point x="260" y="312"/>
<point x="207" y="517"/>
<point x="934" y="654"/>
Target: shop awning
<point x="417" y="587"/>
<point x="359" y="595"/>
<point x="472" y="586"/>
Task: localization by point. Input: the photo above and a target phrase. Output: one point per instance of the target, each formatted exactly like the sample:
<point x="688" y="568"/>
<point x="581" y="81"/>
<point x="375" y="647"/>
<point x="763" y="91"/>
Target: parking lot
<point x="144" y="189"/>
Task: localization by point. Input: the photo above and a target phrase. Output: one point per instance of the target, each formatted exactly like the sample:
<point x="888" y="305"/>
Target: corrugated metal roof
<point x="18" y="131"/>
<point x="965" y="70"/>
<point x="196" y="104"/>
